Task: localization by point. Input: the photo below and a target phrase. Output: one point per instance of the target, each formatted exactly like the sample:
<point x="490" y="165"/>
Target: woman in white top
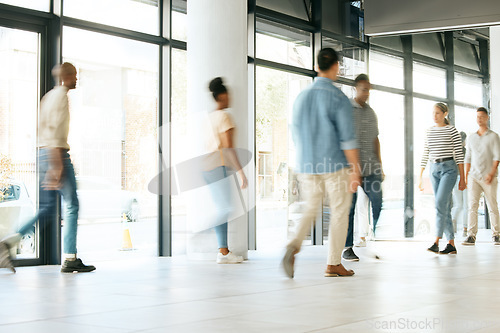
<point x="443" y="147"/>
<point x="219" y="143"/>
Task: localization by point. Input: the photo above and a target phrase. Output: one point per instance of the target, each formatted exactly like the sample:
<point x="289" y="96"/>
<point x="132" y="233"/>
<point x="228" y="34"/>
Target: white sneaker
<point x="360" y="243"/>
<point x="229" y="258"/>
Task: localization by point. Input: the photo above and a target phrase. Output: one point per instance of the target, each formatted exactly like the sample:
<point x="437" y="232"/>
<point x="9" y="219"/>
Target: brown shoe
<point x="288" y="261"/>
<point x="338" y="270"/>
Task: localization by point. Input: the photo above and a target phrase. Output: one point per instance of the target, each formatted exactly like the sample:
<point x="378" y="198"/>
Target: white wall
<point x="401" y="16"/>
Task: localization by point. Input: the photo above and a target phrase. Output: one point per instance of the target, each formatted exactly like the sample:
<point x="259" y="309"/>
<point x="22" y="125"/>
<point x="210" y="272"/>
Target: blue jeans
<point x="47" y="201"/>
<point x="372" y="185"/>
<point x="443" y="179"/>
<point x="222" y="198"/>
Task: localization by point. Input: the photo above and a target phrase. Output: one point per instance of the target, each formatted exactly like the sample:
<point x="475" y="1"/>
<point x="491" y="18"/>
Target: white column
<point x="217" y="46"/>
<point x="495" y="78"/>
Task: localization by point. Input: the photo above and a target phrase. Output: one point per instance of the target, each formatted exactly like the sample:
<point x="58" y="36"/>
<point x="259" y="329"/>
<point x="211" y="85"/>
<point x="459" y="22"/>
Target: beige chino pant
<point x="313" y="188"/>
<point x="475" y="188"/>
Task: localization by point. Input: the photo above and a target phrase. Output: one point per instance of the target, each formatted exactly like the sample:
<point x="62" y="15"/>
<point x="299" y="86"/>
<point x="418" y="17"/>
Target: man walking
<point x="366" y="124"/>
<point x="481" y="164"/>
<point x="327" y="160"/>
<point x="56" y="172"/>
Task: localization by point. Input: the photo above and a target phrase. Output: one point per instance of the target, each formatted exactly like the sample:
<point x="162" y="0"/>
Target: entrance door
<point x="19" y="102"/>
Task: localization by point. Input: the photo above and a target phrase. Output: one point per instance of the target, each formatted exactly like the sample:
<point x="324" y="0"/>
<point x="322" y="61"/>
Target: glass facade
<point x="278" y="200"/>
<point x="282" y="44"/>
<point x="114" y="117"/>
<point x="20" y="68"/>
<point x="116" y="111"/>
<point x="134" y="15"/>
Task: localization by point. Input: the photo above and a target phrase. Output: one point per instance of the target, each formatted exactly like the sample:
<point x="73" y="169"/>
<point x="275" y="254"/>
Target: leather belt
<point x="441" y="160"/>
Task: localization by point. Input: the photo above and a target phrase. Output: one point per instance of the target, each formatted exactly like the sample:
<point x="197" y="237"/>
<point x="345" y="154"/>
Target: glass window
<point x="19" y="96"/>
<point x="386" y="70"/>
<point x="179" y="20"/>
<point x="465" y="54"/>
<point x="390" y="113"/>
<point x="128" y="14"/>
<point x="279" y="43"/>
<point x="349" y="91"/>
<point x="424" y="214"/>
<point x="42" y="5"/>
<point x="114" y="117"/>
<point x="343" y="17"/>
<point x="331" y="20"/>
<point x="430" y="45"/>
<point x="465" y="119"/>
<point x="296" y="8"/>
<point x="391" y="42"/>
<point x="468" y="89"/>
<point x="429" y="80"/>
<point x="179" y="145"/>
<point x="278" y="195"/>
<point x="353" y="58"/>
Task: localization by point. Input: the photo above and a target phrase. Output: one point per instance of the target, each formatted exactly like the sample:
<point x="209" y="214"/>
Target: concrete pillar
<point x="217" y="46"/>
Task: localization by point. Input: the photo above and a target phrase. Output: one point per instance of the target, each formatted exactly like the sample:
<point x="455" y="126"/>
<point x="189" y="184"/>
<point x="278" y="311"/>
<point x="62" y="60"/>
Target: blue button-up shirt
<point x="322" y="127"/>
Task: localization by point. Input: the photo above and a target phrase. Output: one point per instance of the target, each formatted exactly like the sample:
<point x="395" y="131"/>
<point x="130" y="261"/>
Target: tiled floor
<point x="407" y="290"/>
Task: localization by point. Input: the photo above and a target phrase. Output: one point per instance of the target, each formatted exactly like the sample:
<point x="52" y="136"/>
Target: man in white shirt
<point x="56" y="172"/>
<point x="481" y="164"/>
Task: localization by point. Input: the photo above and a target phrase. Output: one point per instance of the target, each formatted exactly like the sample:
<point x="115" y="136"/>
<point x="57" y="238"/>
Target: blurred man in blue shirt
<point x="327" y="160"/>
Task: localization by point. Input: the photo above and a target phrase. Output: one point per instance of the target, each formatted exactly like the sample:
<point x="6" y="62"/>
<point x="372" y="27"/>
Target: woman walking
<point x="443" y="148"/>
<point x="221" y="156"/>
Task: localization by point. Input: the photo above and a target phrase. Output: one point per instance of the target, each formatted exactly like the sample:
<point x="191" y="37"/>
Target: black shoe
<point x="434" y="248"/>
<point x="471" y="240"/>
<point x="496" y="240"/>
<point x="70" y="266"/>
<point x="449" y="249"/>
<point x="349" y="255"/>
<point x="5" y="259"/>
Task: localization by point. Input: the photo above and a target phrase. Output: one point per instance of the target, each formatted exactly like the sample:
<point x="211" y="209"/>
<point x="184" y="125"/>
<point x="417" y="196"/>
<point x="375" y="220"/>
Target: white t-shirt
<point x="219" y="122"/>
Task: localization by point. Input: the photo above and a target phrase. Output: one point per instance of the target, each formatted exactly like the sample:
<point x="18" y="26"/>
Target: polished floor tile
<point x="407" y="290"/>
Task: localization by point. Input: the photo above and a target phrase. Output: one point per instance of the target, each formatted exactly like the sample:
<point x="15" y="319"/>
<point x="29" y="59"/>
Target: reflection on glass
<point x="386" y="70"/>
<point x="429" y="44"/>
<point x="352" y="58"/>
<point x="113" y="140"/>
<point x="280" y="43"/>
<point x="429" y="80"/>
<point x="179" y="135"/>
<point x="278" y="195"/>
<point x="465" y="54"/>
<point x="19" y="63"/>
<point x="468" y="89"/>
<point x="128" y="14"/>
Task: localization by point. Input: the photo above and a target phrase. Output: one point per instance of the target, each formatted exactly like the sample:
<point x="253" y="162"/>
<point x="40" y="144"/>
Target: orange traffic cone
<point x="127" y="240"/>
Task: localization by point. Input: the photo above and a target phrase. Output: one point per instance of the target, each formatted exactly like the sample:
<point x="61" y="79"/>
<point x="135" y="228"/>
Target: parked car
<point x="17" y="207"/>
<point x="100" y="198"/>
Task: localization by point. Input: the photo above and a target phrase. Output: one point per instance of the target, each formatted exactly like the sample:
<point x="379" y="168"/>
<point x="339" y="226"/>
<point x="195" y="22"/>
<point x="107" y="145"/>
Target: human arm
<point x="376" y="144"/>
<point x="52" y="180"/>
<point x="230" y="153"/>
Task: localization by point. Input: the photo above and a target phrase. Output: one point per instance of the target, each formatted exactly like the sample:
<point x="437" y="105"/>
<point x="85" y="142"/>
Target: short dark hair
<point x="481" y="109"/>
<point x="327" y="57"/>
<point x="361" y="77"/>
